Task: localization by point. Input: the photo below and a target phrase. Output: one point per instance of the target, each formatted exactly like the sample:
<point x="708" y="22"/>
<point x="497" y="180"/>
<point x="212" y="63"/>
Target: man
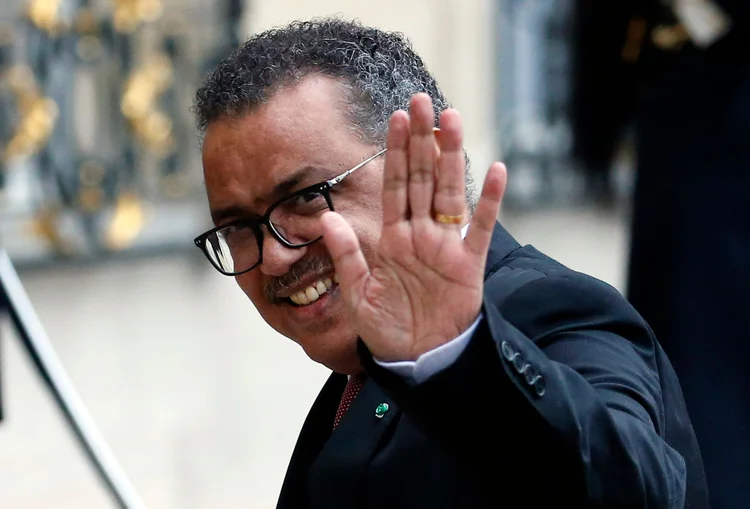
<point x="468" y="371"/>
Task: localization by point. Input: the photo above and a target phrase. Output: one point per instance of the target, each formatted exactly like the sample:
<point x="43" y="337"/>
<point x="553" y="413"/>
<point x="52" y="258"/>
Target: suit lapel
<point x="312" y="438"/>
<point x="344" y="459"/>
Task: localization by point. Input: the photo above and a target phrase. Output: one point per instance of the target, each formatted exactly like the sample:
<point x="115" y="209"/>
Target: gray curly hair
<point x="380" y="71"/>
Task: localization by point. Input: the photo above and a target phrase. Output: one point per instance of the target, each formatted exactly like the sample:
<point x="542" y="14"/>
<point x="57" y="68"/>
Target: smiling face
<point x="299" y="137"/>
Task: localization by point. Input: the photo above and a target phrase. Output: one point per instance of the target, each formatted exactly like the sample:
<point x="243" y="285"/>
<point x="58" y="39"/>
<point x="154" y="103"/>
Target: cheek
<point x="365" y="211"/>
<point x="368" y="228"/>
<point x="366" y="219"/>
<point x="251" y="284"/>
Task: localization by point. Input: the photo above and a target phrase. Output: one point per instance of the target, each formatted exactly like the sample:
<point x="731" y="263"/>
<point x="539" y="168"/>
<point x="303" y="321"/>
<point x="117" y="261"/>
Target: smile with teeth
<point x="313" y="292"/>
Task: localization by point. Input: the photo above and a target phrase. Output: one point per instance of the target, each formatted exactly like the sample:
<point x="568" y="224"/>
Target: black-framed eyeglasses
<point x="237" y="247"/>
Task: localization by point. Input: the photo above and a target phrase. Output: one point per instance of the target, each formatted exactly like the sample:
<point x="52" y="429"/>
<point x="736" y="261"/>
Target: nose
<point x="277" y="258"/>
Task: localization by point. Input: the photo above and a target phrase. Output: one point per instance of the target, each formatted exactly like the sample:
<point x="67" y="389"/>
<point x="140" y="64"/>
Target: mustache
<point x="281" y="285"/>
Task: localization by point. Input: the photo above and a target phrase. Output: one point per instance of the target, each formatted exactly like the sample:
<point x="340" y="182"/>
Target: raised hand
<point x="425" y="286"/>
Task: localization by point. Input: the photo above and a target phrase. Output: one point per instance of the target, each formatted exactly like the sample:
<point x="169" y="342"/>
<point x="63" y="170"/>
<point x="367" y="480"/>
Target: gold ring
<point x="449" y="219"/>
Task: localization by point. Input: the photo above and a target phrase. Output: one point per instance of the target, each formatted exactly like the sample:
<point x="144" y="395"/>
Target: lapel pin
<point x="381" y="410"/>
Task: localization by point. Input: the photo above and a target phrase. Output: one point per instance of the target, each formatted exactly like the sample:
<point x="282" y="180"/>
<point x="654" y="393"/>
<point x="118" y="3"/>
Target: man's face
<point x="298" y="138"/>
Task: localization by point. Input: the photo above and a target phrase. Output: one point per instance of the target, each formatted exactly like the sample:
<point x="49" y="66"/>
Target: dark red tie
<point x="353" y="386"/>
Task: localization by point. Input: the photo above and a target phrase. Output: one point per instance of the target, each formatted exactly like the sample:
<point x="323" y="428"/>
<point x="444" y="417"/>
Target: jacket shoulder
<point x="544" y="283"/>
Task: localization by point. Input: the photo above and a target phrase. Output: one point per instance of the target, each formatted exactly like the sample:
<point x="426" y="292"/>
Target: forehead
<point x="300" y="126"/>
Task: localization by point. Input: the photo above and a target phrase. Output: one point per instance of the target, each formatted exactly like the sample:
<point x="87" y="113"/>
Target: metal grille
<point x="99" y="152"/>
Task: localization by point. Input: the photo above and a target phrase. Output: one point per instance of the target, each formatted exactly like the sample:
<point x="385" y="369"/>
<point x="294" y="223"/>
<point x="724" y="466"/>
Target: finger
<point x="422" y="155"/>
<point x="348" y="260"/>
<point x="395" y="175"/>
<point x="438" y="135"/>
<point x="450" y="197"/>
<point x="483" y="221"/>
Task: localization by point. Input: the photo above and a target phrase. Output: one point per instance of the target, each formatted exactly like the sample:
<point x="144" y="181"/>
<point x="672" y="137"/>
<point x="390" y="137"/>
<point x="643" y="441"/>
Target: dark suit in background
<point x="563" y="398"/>
<point x="689" y="266"/>
<point x="605" y="86"/>
<point x="689" y="273"/>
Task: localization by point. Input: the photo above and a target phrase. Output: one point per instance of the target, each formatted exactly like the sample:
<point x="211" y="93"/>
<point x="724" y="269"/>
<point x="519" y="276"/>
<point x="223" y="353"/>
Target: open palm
<point x="425" y="285"/>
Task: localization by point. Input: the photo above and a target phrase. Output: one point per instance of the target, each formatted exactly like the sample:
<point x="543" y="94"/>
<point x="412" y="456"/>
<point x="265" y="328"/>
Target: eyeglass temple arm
<point x="336" y="180"/>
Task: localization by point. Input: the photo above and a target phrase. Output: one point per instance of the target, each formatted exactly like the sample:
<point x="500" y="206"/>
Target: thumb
<point x="348" y="260"/>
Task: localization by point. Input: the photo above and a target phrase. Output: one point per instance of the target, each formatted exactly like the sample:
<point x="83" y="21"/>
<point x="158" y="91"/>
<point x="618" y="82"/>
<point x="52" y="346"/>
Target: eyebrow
<point x="284" y="187"/>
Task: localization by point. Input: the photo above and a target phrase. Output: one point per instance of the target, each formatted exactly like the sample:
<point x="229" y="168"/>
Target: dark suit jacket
<point x="563" y="398"/>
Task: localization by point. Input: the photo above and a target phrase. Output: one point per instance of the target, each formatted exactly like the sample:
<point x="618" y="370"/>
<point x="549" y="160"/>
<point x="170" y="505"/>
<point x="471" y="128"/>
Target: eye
<point x="307" y="198"/>
<point x="237" y="234"/>
<point x="305" y="204"/>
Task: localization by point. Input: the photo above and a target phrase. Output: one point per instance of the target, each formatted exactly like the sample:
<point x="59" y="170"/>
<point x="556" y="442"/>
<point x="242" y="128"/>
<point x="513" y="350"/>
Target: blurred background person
<point x="678" y="73"/>
<point x="689" y="266"/>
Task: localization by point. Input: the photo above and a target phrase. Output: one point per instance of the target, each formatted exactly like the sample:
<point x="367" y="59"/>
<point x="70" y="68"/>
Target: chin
<point x="327" y="339"/>
<point x="339" y="355"/>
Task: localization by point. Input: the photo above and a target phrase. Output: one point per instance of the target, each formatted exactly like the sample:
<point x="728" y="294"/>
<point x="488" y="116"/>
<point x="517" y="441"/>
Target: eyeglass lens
<point x="235" y="248"/>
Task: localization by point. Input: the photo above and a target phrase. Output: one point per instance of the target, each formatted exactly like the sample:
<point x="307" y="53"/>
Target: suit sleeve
<point x="575" y="370"/>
